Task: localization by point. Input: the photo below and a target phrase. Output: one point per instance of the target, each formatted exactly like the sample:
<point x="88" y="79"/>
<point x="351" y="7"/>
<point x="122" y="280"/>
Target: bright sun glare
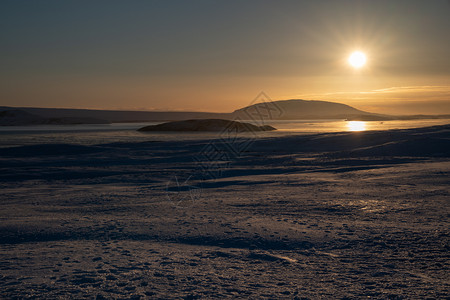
<point x="357" y="59"/>
<point x="356" y="126"/>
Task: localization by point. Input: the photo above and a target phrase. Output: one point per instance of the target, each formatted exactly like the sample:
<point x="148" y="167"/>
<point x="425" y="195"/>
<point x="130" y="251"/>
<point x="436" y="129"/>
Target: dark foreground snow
<point x="345" y="215"/>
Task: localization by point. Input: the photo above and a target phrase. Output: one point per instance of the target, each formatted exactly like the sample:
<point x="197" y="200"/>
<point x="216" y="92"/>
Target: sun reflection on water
<point x="356" y="126"/>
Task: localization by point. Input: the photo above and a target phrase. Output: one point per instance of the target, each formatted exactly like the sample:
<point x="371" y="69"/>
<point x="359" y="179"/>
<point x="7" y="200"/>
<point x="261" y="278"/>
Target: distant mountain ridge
<point x="118" y="116"/>
<point x="293" y="109"/>
<point x="16" y="117"/>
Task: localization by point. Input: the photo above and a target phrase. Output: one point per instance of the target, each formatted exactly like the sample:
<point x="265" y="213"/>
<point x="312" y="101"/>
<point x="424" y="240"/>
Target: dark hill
<point x="304" y="109"/>
<point x="207" y="125"/>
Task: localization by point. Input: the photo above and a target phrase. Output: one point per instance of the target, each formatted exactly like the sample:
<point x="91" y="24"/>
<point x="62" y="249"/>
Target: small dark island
<point x="207" y="125"/>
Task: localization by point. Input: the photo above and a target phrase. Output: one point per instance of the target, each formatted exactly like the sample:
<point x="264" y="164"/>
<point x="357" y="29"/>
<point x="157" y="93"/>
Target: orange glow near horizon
<point x="218" y="58"/>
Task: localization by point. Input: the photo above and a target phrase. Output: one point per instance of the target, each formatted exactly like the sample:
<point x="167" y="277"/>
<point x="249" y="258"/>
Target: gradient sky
<point x="218" y="55"/>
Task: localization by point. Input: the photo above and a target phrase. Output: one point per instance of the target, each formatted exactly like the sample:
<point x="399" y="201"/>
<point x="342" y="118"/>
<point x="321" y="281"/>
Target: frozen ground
<point x="342" y="215"/>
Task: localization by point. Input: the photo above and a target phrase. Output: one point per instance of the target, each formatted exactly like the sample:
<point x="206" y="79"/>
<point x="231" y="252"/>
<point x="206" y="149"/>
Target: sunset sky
<point x="218" y="55"/>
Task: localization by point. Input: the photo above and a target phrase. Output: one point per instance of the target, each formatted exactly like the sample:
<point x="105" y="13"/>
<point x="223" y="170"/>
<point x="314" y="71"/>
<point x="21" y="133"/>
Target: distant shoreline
<point x="285" y="110"/>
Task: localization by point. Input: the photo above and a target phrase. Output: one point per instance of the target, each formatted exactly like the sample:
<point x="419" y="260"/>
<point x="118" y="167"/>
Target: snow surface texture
<point x="343" y="215"/>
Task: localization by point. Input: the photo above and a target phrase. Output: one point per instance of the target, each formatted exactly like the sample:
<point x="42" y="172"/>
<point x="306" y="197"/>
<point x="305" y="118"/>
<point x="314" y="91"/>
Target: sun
<point x="357" y="59"/>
